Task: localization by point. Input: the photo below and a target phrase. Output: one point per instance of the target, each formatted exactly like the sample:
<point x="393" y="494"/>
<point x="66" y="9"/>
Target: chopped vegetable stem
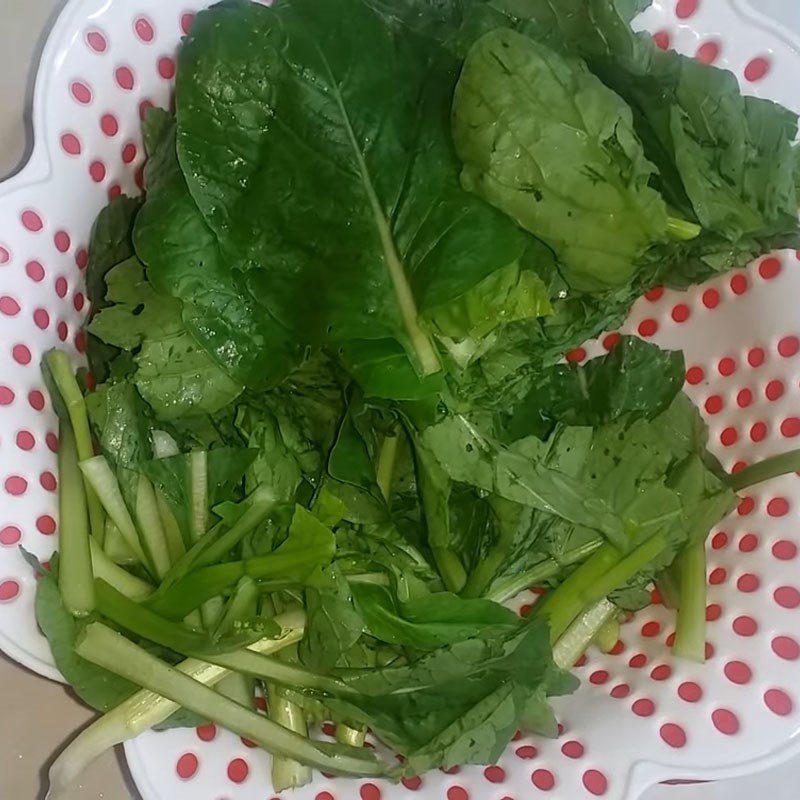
<point x="261" y="503"/>
<point x="690" y="630"/>
<point x="176" y="547"/>
<point x="765" y="470"/>
<point x="572" y="644"/>
<point x="115" y="546"/>
<point x="682" y="230"/>
<point x="603" y="573"/>
<point x="549" y="568"/>
<point x="271" y="669"/>
<point x="123" y="581"/>
<point x="386" y="464"/>
<point x="151" y="531"/>
<point x="64" y="376"/>
<point x="355" y="737"/>
<point x="450" y="567"/>
<point x="106" y="648"/>
<point x="197" y="587"/>
<point x="198" y="472"/>
<point x="75" y="576"/>
<point x="287" y="773"/>
<point x="139" y="713"/>
<point x="140" y="620"/>
<point x="102" y="479"/>
<point x="608" y="636"/>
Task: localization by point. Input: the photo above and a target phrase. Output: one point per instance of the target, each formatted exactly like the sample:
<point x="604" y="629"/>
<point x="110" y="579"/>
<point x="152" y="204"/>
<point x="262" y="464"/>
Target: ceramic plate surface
<point x="640" y="716"/>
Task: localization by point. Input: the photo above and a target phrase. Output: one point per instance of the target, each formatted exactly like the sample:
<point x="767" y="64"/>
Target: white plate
<point x="640" y="717"/>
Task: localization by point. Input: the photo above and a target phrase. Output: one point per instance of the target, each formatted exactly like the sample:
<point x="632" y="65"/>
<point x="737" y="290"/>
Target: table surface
<point x="38" y="715"/>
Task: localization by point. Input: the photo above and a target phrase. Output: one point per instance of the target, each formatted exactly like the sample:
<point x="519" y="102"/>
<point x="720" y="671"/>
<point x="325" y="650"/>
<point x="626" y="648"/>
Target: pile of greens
<point x="327" y="429"/>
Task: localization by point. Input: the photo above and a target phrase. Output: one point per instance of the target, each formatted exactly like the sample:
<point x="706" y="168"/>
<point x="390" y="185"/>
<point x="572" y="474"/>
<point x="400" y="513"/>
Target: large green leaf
<point x="543" y="140"/>
<point x="184" y="261"/>
<point x="330" y="181"/>
<point x="460" y="704"/>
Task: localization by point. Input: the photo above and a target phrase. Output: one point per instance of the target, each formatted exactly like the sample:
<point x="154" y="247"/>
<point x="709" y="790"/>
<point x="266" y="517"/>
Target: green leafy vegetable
<point x="546" y="142"/>
<point x="414" y="240"/>
<point x="99" y="688"/>
<point x="427" y="622"/>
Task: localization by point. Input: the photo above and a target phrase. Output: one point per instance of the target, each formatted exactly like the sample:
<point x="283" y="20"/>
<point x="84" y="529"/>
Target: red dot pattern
<point x="643" y="707"/>
<point x="708" y="52"/>
<point x="695" y="375"/>
<point x="96" y="41"/>
<point x="10" y="535"/>
<point x="778" y="507"/>
<point x="673" y="734"/>
<point x="187" y="766"/>
<point x="757" y="68"/>
<point x="542" y="779"/>
<point x="686" y="8"/>
<point x="778" y="702"/>
<point x="738" y="672"/>
<point x="662" y="40"/>
<point x="788" y="346"/>
<point x="725" y="721"/>
<point x="786" y="647"/>
<point x="238" y="770"/>
<point x="787" y="597"/>
<point x="144" y="29"/>
<point x="690" y="691"/>
<point x="745" y="625"/>
<point x="739" y="283"/>
<point x="125" y="78"/>
<point x="166" y="68"/>
<point x="494" y="774"/>
<point x="784" y="550"/>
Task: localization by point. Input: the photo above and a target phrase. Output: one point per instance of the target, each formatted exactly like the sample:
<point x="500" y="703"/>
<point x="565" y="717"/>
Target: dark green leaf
<point x="100" y="689"/>
<point x="543" y="140"/>
<point x="635" y="377"/>
<point x="427" y="622"/>
<point x="333" y="626"/>
<point x="460" y="704"/>
<point x="257" y="137"/>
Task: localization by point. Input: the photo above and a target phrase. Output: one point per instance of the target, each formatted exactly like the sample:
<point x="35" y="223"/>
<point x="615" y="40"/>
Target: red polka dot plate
<point x="640" y="716"/>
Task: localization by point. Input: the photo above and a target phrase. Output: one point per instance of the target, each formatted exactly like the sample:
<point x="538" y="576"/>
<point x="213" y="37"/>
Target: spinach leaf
<point x="334" y="625"/>
<point x="635" y="377"/>
<point x="460" y="704"/>
<point x="519" y="473"/>
<point x="173" y="374"/>
<point x="508" y="295"/>
<point x="110" y="244"/>
<point x="293" y="427"/>
<point x="133" y="311"/>
<point x="728" y="165"/>
<point x="100" y="689"/>
<point x="382" y="369"/>
<point x="120" y="422"/>
<point x="429" y="621"/>
<point x="184" y="261"/>
<point x="272" y="111"/>
<point x="546" y="142"/>
<point x="178" y="378"/>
